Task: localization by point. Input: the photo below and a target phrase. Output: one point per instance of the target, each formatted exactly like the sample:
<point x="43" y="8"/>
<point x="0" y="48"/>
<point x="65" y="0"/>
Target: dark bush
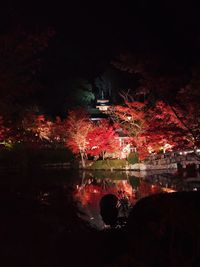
<point x="109" y="164"/>
<point x="133" y="158"/>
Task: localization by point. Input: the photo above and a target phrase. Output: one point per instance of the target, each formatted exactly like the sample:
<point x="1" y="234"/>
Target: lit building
<point x="103" y="104"/>
<point x="125" y="144"/>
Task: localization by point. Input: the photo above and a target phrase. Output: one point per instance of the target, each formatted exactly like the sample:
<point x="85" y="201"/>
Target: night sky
<point x="89" y="35"/>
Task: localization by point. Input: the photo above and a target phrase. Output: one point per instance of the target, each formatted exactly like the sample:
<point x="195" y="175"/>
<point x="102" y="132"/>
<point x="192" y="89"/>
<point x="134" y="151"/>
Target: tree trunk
<point x="82" y="160"/>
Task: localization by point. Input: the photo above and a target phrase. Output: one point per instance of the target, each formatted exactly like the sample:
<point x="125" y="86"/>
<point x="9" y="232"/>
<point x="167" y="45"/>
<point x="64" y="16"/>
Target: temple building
<point x="103" y="104"/>
<point x="99" y="113"/>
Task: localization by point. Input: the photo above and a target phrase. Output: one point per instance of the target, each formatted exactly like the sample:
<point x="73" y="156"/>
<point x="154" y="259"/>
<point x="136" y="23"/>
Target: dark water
<point x="46" y="216"/>
<point x="83" y="191"/>
<point x="129" y="187"/>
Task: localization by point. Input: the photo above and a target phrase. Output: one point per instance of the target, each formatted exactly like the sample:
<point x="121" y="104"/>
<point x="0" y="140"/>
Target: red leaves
<point x="102" y="139"/>
<point x="87" y="138"/>
<point x="78" y="126"/>
<point x="177" y="124"/>
<point x="131" y="117"/>
<point x="38" y="126"/>
<point x="161" y="127"/>
<point x="3" y="130"/>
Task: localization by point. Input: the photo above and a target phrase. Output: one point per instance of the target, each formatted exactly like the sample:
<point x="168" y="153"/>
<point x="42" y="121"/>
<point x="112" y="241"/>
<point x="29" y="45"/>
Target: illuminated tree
<point x="150" y="129"/>
<point x="58" y="132"/>
<point x="35" y="129"/>
<point x="173" y="126"/>
<point x="102" y="140"/>
<point x="172" y="119"/>
<point x="131" y="118"/>
<point x="4" y="132"/>
<point x="188" y="117"/>
<point x="78" y="126"/>
<point x="164" y="129"/>
<point x="42" y="128"/>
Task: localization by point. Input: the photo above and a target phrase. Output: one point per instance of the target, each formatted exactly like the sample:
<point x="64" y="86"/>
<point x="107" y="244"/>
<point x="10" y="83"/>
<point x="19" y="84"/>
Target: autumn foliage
<point x="148" y="128"/>
<point x="102" y="140"/>
<point x="86" y="138"/>
<point x="78" y="126"/>
<point x="4" y="131"/>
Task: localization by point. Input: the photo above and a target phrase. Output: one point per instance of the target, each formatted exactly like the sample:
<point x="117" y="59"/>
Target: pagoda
<point x="103" y="104"/>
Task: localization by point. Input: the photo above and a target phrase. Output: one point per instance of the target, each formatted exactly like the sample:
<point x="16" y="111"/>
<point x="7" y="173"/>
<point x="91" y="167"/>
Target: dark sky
<point x="89" y="34"/>
<point x="108" y="27"/>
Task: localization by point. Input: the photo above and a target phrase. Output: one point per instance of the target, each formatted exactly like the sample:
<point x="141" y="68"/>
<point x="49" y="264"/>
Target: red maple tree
<point x="131" y="118"/>
<point x="174" y="125"/>
<point x="102" y="140"/>
<point x="77" y="127"/>
<point x="36" y="128"/>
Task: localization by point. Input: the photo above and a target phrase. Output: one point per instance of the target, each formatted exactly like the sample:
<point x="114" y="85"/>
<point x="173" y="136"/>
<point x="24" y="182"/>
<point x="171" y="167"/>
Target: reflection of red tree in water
<point x="92" y="192"/>
<point x="147" y="189"/>
<point x="89" y="194"/>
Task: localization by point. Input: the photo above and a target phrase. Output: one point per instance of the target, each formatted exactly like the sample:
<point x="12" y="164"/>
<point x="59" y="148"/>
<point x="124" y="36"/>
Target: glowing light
<point x="168" y="190"/>
<point x="95" y="191"/>
<point x="167" y="147"/>
<point x="150" y="150"/>
<point x="94" y="147"/>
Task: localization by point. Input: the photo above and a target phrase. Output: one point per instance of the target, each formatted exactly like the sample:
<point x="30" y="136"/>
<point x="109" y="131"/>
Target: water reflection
<point x="66" y="191"/>
<point x="109" y="209"/>
<point x="126" y="187"/>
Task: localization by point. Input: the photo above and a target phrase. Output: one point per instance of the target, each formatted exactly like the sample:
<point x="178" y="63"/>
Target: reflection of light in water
<point x="88" y="197"/>
<point x="90" y="192"/>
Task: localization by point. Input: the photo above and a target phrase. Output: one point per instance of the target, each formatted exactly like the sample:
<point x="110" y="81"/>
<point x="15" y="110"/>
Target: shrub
<point x="133" y="158"/>
<point x="103" y="174"/>
<point x="109" y="164"/>
<point x="23" y="156"/>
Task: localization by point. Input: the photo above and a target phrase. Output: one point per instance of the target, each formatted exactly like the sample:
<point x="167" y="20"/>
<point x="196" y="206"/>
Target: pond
<point x="46" y="216"/>
<point x="82" y="191"/>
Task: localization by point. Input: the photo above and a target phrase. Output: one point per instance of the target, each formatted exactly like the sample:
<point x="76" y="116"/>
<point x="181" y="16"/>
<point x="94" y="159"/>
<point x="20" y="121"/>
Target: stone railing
<point x="168" y="161"/>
